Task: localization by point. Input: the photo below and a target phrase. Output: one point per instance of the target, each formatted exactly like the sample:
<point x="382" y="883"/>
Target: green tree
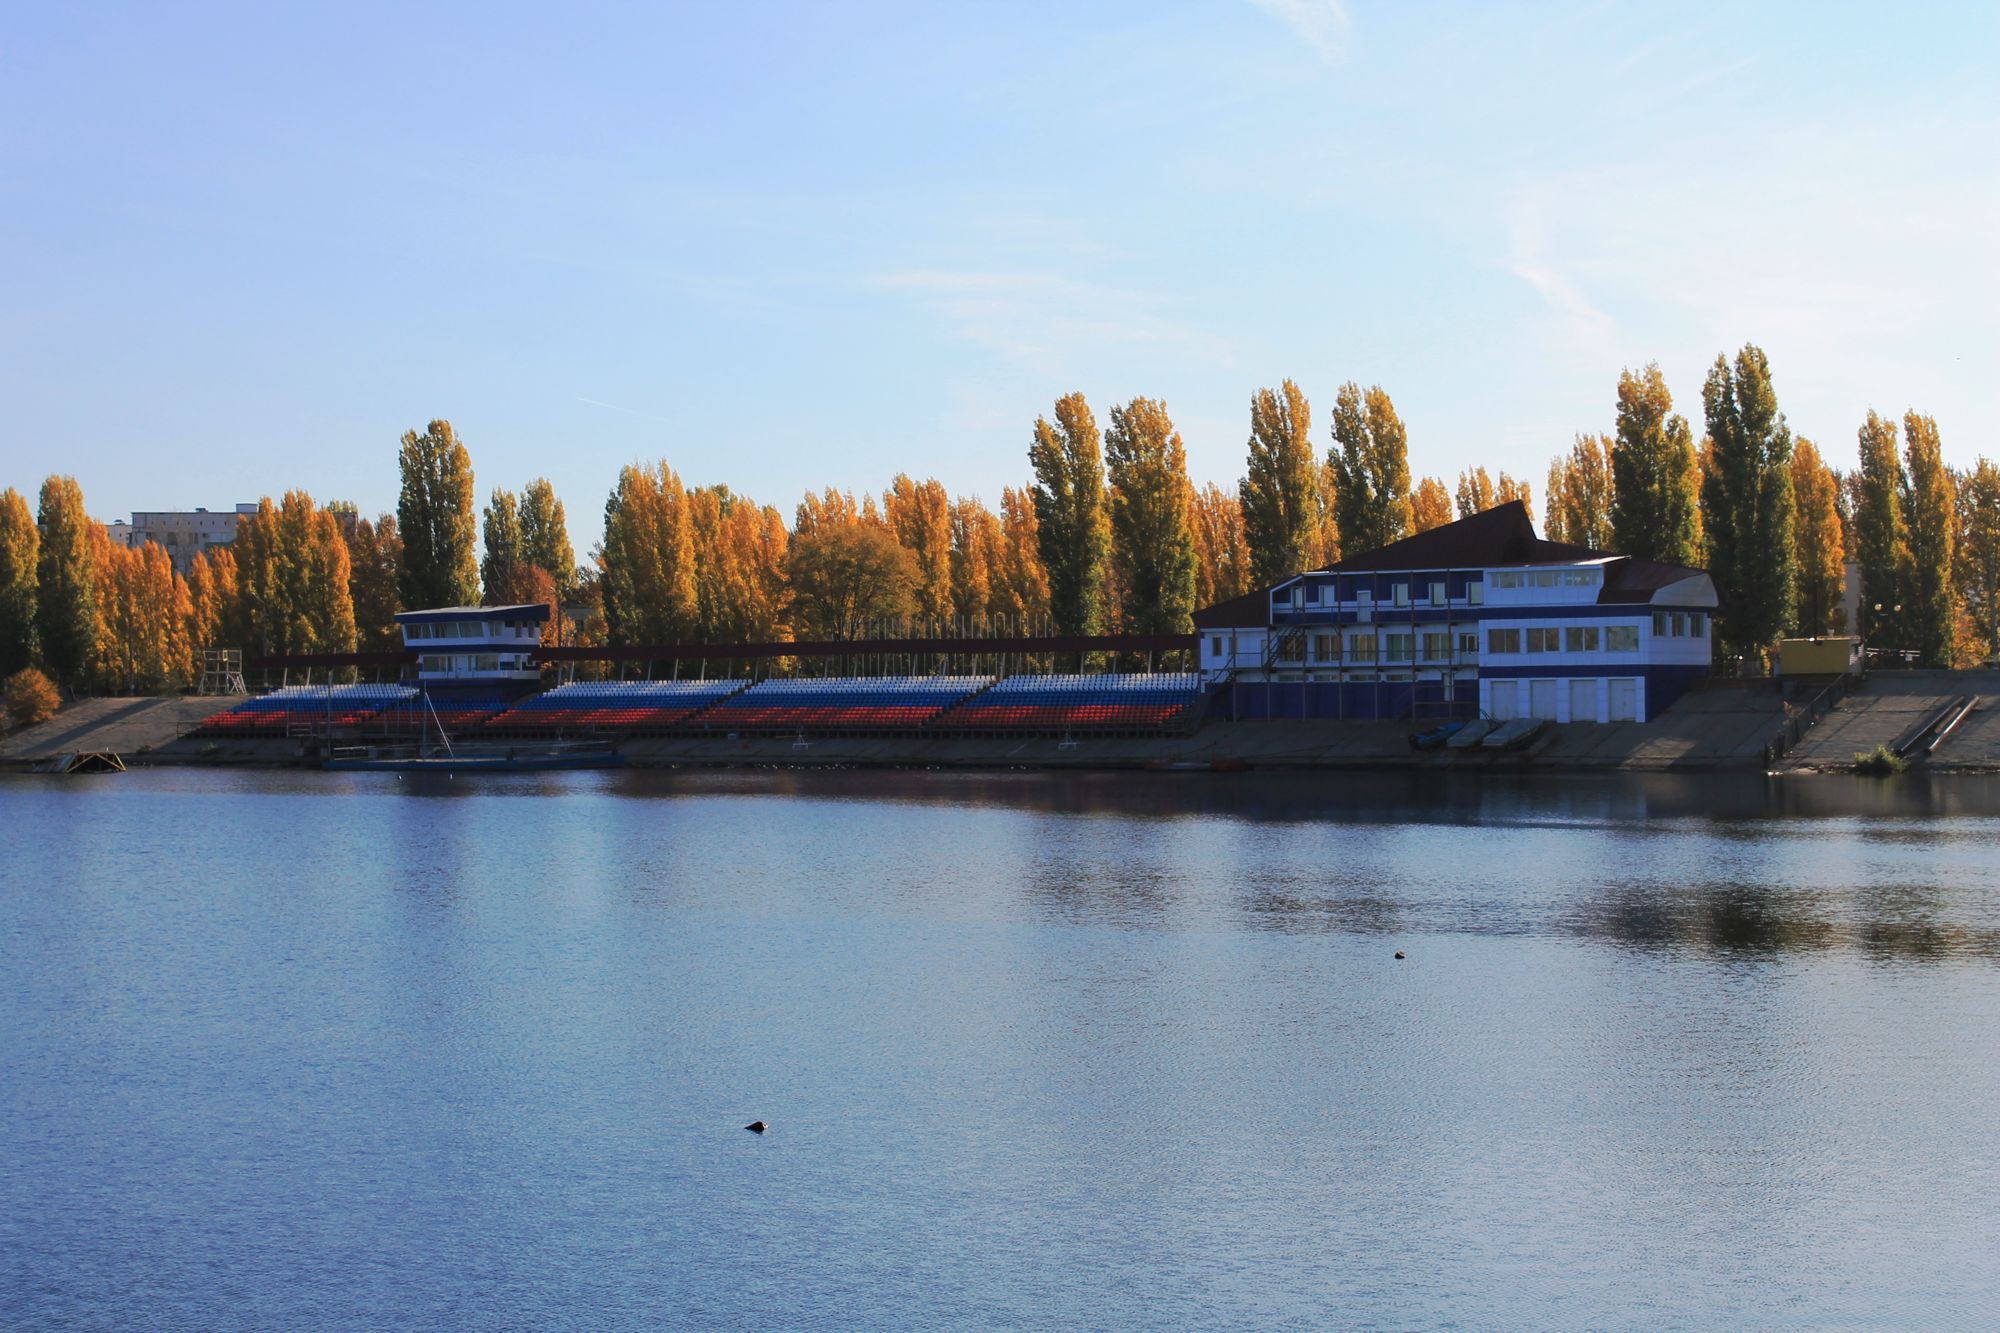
<point x="434" y="515"/>
<point x="545" y="535"/>
<point x="1281" y="493"/>
<point x="1371" y="469"/>
<point x="1978" y="553"/>
<point x="1747" y="504"/>
<point x="500" y="531"/>
<point x="847" y="575"/>
<point x="1071" y="514"/>
<point x="66" y="611"/>
<point x="1816" y="537"/>
<point x="1655" y="475"/>
<point x="1152" y="520"/>
<point x="20" y="549"/>
<point x="1881" y="541"/>
<point x="1930" y="609"/>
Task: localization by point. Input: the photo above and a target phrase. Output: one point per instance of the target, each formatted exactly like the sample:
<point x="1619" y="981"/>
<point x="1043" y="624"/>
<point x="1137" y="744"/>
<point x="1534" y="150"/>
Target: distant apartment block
<point x="184" y="533"/>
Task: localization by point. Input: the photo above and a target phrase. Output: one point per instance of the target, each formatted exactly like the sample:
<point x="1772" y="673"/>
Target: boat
<point x="1471" y="734"/>
<point x="1511" y="735"/>
<point x="1437" y="736"/>
<point x="537" y="762"/>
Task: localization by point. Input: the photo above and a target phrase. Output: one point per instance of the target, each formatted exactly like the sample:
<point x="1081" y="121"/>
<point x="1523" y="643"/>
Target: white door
<point x="1502" y="703"/>
<point x="1583" y="701"/>
<point x="1624" y="701"/>
<point x="1542" y="698"/>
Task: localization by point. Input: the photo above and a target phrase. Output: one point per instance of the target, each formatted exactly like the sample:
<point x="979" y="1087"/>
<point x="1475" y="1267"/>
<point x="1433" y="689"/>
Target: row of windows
<point x="1568" y="638"/>
<point x="1309" y="594"/>
<point x="473" y="662"/>
<point x="1367" y="647"/>
<point x="1677" y="624"/>
<point x="462" y="629"/>
<point x="1543" y="578"/>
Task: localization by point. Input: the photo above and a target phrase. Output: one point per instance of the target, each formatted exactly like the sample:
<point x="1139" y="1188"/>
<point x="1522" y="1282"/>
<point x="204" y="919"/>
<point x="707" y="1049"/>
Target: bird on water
<point x="756" y="1127"/>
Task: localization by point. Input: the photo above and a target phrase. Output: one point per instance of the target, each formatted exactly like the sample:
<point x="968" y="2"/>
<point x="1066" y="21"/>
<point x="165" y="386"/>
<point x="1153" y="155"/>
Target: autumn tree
<point x="1430" y="505"/>
<point x="1581" y="494"/>
<point x="1281" y="493"/>
<point x="978" y="558"/>
<point x="1507" y="490"/>
<point x="30" y="697"/>
<point x="144" y="615"/>
<point x="647" y="559"/>
<point x="292" y="566"/>
<point x="1222" y="547"/>
<point x="842" y="577"/>
<point x="1371" y="469"/>
<point x="545" y="534"/>
<point x="500" y="532"/>
<point x="1929" y="608"/>
<point x="919" y="514"/>
<point x="20" y="549"/>
<point x="1978" y="553"/>
<point x="1027" y="579"/>
<point x="1655" y="474"/>
<point x="1881" y="540"/>
<point x="219" y="616"/>
<point x="1152" y="518"/>
<point x="831" y="509"/>
<point x="434" y="515"/>
<point x="1475" y="492"/>
<point x="374" y="555"/>
<point x="1822" y="558"/>
<point x="1072" y="514"/>
<point x="66" y="613"/>
<point x="1747" y="504"/>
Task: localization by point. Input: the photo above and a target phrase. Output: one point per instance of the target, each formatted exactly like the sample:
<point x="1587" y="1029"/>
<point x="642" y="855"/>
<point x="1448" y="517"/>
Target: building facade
<point x="476" y="645"/>
<point x="1479" y="617"/>
<point x="184" y="533"/>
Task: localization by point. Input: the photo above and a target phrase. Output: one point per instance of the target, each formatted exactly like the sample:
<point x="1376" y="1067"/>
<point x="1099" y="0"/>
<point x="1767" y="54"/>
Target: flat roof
<point x="525" y="611"/>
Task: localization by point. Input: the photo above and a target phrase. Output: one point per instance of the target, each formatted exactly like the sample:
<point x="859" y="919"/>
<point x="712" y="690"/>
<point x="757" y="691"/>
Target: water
<point x="292" y="1050"/>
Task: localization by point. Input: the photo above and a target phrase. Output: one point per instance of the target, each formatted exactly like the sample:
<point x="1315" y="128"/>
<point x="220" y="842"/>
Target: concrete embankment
<point x="1889" y="709"/>
<point x="1723" y="727"/>
<point x="131" y="727"/>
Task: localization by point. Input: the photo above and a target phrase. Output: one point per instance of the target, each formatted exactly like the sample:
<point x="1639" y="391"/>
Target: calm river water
<point x="295" y="1050"/>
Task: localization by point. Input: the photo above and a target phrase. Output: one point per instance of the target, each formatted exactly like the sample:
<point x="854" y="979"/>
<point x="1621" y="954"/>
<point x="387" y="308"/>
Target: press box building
<point x="1478" y="617"/>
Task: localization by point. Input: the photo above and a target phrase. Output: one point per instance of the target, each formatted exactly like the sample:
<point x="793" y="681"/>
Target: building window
<point x="1401" y="591"/>
<point x="1437" y="594"/>
<point x="1215" y="645"/>
<point x="1469" y="644"/>
<point x="1696" y="624"/>
<point x="1542" y="578"/>
<point x="1326" y="648"/>
<point x="1365" y="596"/>
<point x="1436" y="646"/>
<point x="1579" y="578"/>
<point x="1580" y="639"/>
<point x="1398" y="647"/>
<point x="1361" y="648"/>
<point x="1621" y="638"/>
<point x="1547" y="640"/>
<point x="1505" y="578"/>
<point x="1503" y="641"/>
<point x="1475" y="593"/>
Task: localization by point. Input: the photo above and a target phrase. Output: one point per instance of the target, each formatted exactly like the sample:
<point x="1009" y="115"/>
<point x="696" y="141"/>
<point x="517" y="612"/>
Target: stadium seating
<point x="454" y="708"/>
<point x="883" y="703"/>
<point x="318" y="707"/>
<point x="612" y="705"/>
<point x="1117" y="702"/>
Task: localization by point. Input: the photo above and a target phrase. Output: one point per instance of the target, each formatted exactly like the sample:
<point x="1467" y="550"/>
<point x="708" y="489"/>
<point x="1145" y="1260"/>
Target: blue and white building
<point x="476" y="645"/>
<point x="1478" y="617"/>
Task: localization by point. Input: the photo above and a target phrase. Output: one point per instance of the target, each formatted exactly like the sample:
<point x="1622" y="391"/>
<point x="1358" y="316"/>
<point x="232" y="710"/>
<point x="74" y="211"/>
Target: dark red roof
<point x="1250" y="611"/>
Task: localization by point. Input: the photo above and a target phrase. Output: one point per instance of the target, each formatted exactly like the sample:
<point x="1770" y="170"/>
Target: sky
<point x="243" y="249"/>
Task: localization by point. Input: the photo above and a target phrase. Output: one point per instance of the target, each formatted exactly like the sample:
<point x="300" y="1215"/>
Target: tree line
<point x="1108" y="534"/>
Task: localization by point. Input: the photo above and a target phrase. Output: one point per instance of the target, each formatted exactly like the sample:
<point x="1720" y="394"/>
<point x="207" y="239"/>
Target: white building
<point x="1478" y="616"/>
<point x="475" y="645"/>
<point x="185" y="533"/>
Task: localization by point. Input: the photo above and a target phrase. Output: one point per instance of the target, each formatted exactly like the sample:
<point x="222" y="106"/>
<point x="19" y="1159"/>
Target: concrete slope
<point x="121" y="725"/>
<point x="1886" y="707"/>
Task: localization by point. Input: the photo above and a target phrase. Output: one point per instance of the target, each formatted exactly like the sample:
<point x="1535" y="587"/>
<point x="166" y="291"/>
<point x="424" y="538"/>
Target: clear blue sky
<point x="245" y="248"/>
